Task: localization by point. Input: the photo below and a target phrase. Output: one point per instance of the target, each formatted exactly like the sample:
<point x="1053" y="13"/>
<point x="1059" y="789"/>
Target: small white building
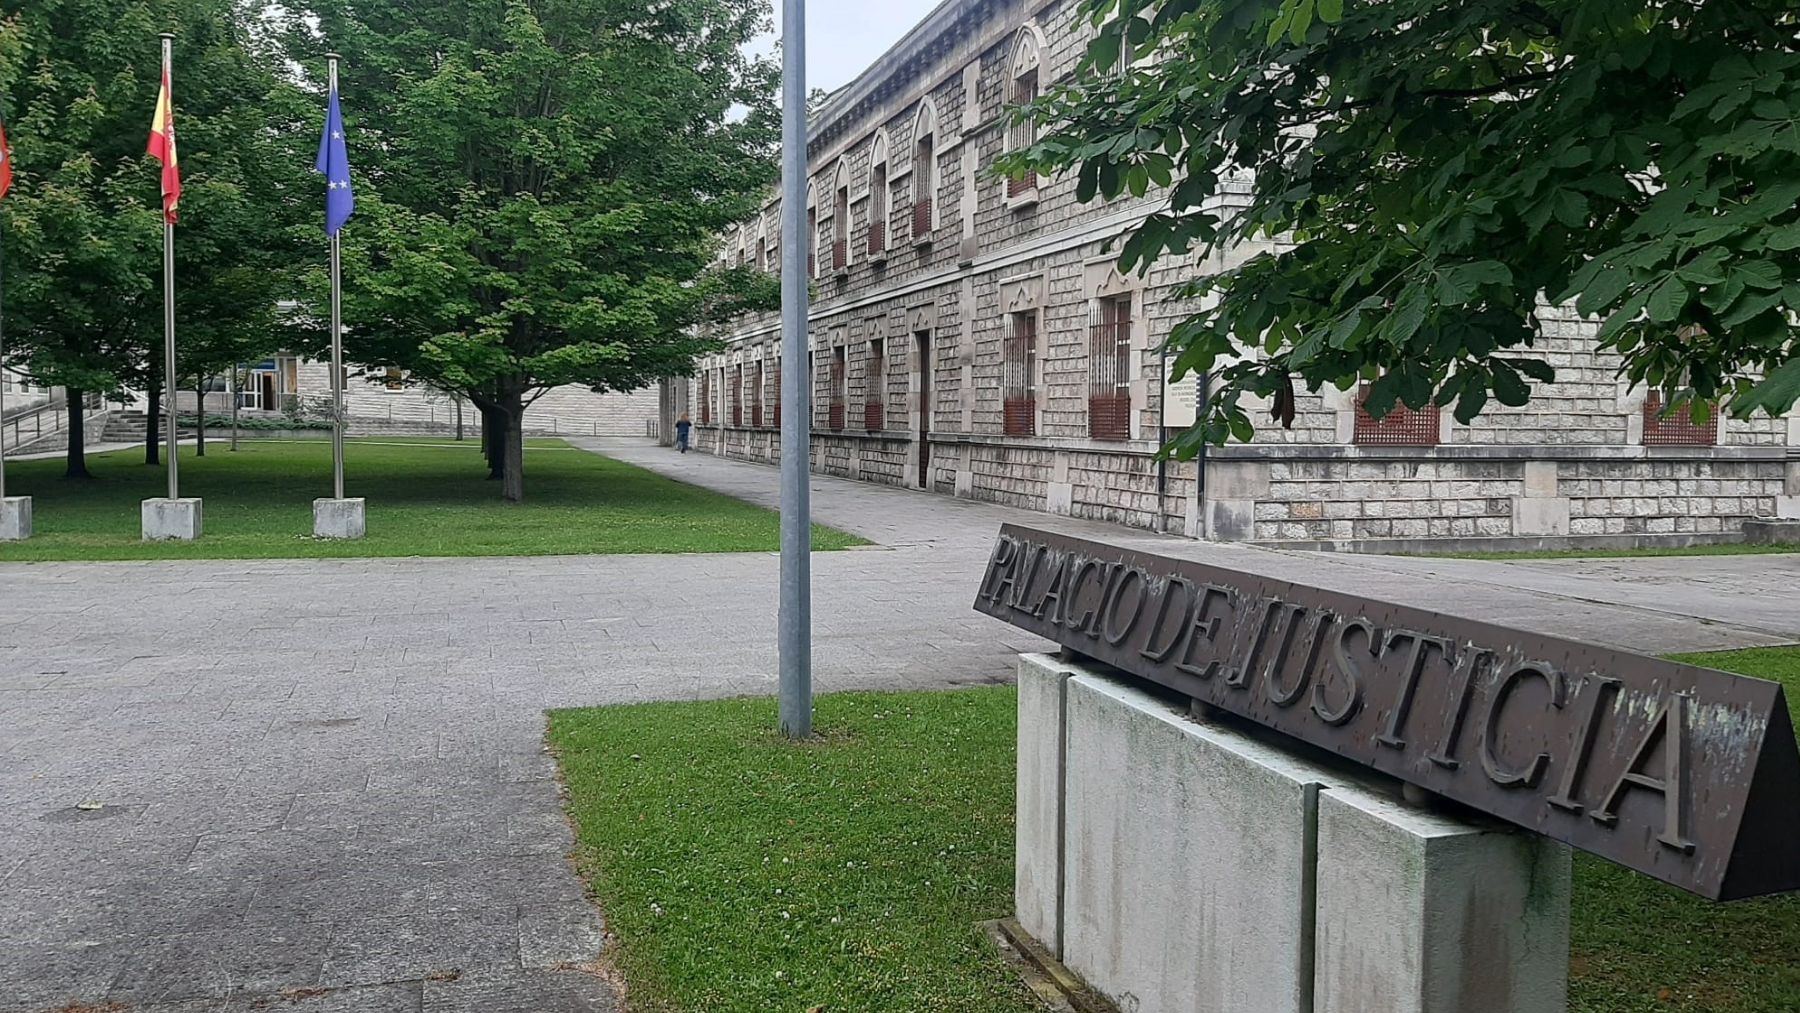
<point x="383" y="400"/>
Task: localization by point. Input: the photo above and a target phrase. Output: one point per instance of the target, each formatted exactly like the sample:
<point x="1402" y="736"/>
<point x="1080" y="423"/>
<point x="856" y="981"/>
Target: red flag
<point x="162" y="145"/>
<point x="5" y="162"/>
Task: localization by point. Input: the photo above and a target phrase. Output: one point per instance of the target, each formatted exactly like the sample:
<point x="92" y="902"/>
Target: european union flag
<point x="334" y="163"/>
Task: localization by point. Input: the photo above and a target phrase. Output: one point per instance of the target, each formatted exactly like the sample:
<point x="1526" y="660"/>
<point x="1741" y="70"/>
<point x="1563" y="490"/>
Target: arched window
<point x="1025" y="77"/>
<point x="762" y="242"/>
<point x="840" y="219"/>
<point x="812" y="231"/>
<point x="878" y="196"/>
<point x="925" y="173"/>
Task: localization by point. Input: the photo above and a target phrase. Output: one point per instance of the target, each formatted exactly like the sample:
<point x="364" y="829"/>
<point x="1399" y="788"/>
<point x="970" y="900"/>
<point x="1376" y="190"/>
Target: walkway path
<point x="324" y="780"/>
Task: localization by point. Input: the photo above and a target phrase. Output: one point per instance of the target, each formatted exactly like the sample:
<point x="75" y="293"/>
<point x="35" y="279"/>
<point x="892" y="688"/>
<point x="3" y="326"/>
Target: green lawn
<point x="742" y="873"/>
<point x="1692" y="550"/>
<point x="425" y="498"/>
<point x="1643" y="946"/>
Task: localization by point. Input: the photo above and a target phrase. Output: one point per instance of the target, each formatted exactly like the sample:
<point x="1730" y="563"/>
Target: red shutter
<point x="835" y="414"/>
<point x="1401" y="427"/>
<point x="1017" y="385"/>
<point x="1109" y="372"/>
<point x="1678" y="429"/>
<point x="921" y="223"/>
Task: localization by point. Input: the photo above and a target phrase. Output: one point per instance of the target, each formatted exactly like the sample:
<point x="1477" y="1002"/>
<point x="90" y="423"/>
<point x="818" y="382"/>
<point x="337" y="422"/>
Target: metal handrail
<point x="33" y="419"/>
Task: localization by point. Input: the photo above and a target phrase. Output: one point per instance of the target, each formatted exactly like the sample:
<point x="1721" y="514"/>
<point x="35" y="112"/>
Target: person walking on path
<point x="682" y="429"/>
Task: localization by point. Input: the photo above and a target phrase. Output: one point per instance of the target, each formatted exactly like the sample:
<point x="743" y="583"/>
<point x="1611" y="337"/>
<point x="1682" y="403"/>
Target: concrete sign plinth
<point x="339" y="519"/>
<point x="1182" y="865"/>
<point x="15" y="518"/>
<point x="171" y="520"/>
<point x="1423" y="913"/>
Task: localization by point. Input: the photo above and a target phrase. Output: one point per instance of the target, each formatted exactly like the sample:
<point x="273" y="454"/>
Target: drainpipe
<point x="1202" y="395"/>
<point x="1162" y="438"/>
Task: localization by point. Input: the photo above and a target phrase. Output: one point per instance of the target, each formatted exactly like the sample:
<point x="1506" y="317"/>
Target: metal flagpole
<point x="169" y="380"/>
<point x="235" y="397"/>
<point x="796" y="389"/>
<point x="2" y="371"/>
<point x="337" y="334"/>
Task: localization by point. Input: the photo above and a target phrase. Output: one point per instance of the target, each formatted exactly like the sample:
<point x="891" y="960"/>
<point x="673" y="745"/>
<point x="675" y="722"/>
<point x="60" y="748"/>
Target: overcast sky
<point x="844" y="36"/>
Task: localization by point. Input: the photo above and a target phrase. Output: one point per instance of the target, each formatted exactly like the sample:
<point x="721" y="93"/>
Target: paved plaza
<point x="324" y="782"/>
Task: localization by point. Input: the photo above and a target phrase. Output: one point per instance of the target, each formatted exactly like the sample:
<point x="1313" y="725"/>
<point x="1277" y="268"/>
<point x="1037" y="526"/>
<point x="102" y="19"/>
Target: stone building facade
<point x="971" y="337"/>
<point x="378" y="400"/>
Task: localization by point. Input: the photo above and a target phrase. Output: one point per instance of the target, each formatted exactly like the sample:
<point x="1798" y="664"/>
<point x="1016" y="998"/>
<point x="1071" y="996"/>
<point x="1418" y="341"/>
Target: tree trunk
<point x="493" y="442"/>
<point x="512" y="487"/>
<point x="457" y="399"/>
<point x="153" y="426"/>
<point x="77" y="436"/>
<point x="200" y="418"/>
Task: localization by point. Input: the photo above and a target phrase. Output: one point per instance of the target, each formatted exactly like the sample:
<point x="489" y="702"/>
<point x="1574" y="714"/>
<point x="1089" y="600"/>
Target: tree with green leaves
<point x="83" y="224"/>
<point x="1434" y="171"/>
<point x="539" y="187"/>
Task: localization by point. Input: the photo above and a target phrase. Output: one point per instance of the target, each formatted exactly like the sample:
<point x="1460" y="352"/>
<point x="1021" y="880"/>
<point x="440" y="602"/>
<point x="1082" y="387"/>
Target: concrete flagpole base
<point x="15" y="518"/>
<point x="339" y="519"/>
<point x="171" y="520"/>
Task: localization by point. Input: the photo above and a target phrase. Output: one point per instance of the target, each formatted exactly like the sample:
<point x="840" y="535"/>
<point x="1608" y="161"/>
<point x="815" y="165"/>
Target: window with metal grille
<point x="1024" y="132"/>
<point x="875" y="388"/>
<point x="1018" y="375"/>
<point x="1401" y="427"/>
<point x="756" y="397"/>
<point x="878" y="199"/>
<point x="835" y="413"/>
<point x="840" y="229"/>
<point x="706" y="398"/>
<point x="812" y="242"/>
<point x="1677" y="429"/>
<point x="775" y="395"/>
<point x="1109" y="371"/>
<point x="924" y="189"/>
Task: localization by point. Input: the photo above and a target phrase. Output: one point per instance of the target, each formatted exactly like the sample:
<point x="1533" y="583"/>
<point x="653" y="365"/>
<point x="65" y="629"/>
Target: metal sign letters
<point x="1686" y="774"/>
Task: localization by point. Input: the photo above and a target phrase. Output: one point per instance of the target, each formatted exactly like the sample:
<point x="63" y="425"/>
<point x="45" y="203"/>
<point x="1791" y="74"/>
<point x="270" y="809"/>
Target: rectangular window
<point x="706" y="398"/>
<point x="1109" y="371"/>
<point x="875" y="388"/>
<point x="1662" y="429"/>
<point x="756" y="397"/>
<point x="1401" y="427"/>
<point x="1018" y="375"/>
<point x="775" y="394"/>
<point x="737" y="396"/>
<point x="393" y="378"/>
<point x="835" y="418"/>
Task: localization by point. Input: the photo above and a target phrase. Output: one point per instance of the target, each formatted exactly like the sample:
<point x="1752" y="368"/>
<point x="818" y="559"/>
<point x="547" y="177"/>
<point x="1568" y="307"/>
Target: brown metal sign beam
<point x="1682" y="773"/>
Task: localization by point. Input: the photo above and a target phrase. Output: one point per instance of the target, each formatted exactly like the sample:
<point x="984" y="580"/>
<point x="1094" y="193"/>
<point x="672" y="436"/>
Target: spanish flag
<point x="5" y="162"/>
<point x="162" y="145"/>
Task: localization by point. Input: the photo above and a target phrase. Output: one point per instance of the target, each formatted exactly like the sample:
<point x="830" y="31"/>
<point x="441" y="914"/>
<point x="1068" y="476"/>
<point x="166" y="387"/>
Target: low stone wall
<point x="1401" y="500"/>
<point x="1207" y="867"/>
<point x="1370" y="499"/>
<point x="1102" y="482"/>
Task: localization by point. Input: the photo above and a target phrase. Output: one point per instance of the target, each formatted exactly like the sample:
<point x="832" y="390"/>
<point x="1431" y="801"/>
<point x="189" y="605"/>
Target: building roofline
<point x="915" y="51"/>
